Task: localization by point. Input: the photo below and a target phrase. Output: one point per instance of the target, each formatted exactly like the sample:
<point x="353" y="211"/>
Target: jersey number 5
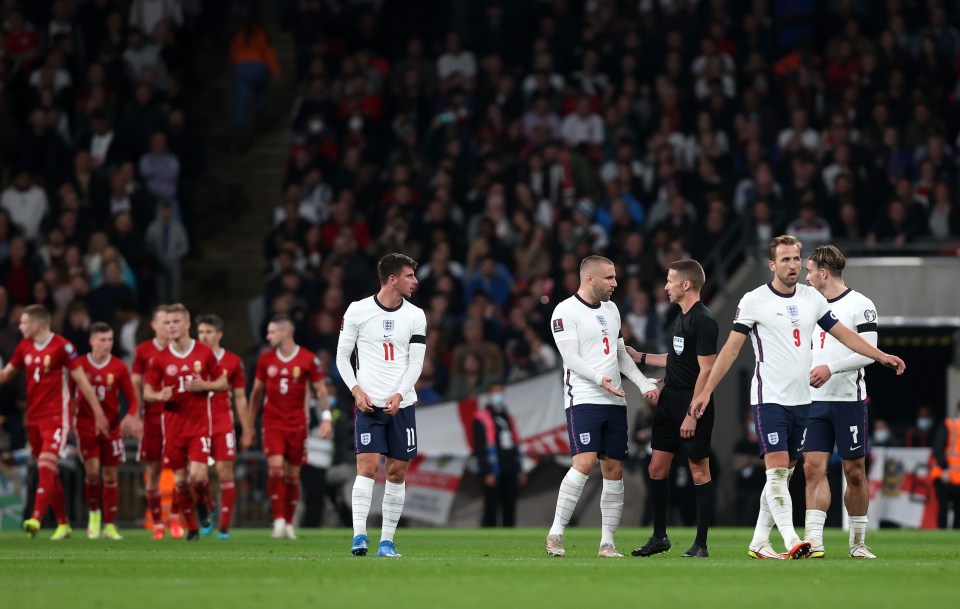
<point x="606" y="346"/>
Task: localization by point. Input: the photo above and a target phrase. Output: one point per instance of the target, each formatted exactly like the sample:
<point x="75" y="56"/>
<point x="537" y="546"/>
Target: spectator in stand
<point x="254" y="62"/>
<point x="166" y="242"/>
<point x="809" y="227"/>
<point x="921" y="433"/>
<point x="26" y="203"/>
<point x="160" y="169"/>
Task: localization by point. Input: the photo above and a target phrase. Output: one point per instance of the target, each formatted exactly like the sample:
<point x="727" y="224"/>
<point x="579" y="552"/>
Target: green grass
<point x="466" y="568"/>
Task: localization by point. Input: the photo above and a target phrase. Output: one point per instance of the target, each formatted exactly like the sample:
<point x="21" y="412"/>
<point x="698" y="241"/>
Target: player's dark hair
<point x="281" y="318"/>
<point x="37" y="312"/>
<point x="690" y="270"/>
<point x="392" y="265"/>
<point x="211" y="320"/>
<point x="782" y="240"/>
<point x="830" y="258"/>
<point x="100" y="327"/>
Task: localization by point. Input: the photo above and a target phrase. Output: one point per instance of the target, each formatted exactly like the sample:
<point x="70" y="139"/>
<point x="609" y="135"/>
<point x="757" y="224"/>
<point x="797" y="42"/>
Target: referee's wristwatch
<point x="643" y="359"/>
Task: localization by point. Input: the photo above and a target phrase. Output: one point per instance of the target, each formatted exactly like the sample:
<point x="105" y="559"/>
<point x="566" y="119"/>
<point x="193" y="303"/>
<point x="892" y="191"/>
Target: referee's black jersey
<point x="695" y="333"/>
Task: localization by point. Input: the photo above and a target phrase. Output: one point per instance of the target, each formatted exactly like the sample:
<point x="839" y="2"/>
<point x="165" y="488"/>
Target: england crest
<point x="678" y="345"/>
<point x="365" y="439"/>
<point x="793" y="311"/>
<point x="585" y="438"/>
<point x="602" y="320"/>
<point x="388" y="326"/>
<point x="773" y="438"/>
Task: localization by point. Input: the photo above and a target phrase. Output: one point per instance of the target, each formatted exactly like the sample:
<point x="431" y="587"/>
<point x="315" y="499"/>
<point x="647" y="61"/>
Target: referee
<point x="688" y="365"/>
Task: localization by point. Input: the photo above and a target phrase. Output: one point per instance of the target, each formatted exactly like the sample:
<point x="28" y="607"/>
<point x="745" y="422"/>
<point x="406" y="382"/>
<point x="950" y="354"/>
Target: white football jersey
<point x="857" y="312"/>
<point x="596" y="328"/>
<point x="381" y="338"/>
<point x="780" y="327"/>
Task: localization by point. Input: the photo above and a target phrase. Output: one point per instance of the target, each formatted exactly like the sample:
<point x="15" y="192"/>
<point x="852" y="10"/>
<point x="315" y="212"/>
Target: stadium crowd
<point x="99" y="165"/>
<point x="501" y="142"/>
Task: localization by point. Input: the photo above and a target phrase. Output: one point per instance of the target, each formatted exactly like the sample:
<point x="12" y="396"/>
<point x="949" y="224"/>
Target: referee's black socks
<point x="659" y="497"/>
<point x="706" y="503"/>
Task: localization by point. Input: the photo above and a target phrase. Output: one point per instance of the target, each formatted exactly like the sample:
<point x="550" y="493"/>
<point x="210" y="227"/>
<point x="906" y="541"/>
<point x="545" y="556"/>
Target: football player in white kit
<point x="780" y="318"/>
<point x="838" y="414"/>
<point x="586" y="328"/>
<point x="388" y="336"/>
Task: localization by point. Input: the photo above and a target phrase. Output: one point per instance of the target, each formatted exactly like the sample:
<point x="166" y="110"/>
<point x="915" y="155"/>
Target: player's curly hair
<point x="829" y="257"/>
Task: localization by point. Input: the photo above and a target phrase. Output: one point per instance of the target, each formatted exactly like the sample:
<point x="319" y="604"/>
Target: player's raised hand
<point x="608" y="385"/>
<point x="362" y="400"/>
<point x="688" y="427"/>
<point x="894" y="363"/>
<point x="820" y="375"/>
<point x="699" y="405"/>
<point x="393" y="404"/>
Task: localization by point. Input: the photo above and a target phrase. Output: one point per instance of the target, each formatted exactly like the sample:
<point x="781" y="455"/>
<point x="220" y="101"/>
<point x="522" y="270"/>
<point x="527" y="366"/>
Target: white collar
<point x="94" y="363"/>
<point x="287" y="360"/>
<point x="176" y="353"/>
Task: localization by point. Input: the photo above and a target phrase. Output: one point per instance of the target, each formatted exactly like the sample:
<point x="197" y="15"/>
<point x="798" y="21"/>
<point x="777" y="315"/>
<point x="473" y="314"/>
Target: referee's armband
<point x="742" y="329"/>
<point x="828" y="321"/>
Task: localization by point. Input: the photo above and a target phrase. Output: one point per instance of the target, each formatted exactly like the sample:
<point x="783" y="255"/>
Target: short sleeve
<point x="261" y="372"/>
<point x="707" y="333"/>
<point x="316" y="370"/>
<point x="239" y="380"/>
<point x="419" y="334"/>
<point x="139" y="365"/>
<point x="70" y="359"/>
<point x="866" y="316"/>
<point x="563" y="325"/>
<point x="154" y="374"/>
<point x="16" y="360"/>
<point x="746" y="315"/>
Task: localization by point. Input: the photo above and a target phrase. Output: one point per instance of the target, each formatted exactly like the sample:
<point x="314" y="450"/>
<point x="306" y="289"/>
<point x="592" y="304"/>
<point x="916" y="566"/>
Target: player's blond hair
<point x="590" y="263"/>
<point x="37" y="313"/>
<point x="178" y="308"/>
<point x="782" y="240"/>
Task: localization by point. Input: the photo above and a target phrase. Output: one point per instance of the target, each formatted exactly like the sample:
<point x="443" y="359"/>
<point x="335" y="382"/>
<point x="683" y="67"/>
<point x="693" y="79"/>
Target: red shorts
<point x="47" y="435"/>
<point x="151" y="444"/>
<point x="291" y="443"/>
<point x="178" y="451"/>
<point x="224" y="446"/>
<point x="108" y="449"/>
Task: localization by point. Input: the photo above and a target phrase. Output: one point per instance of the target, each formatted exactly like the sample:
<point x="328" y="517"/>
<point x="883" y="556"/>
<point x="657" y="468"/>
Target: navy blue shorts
<point x="781" y="428"/>
<point x="378" y="432"/>
<point x="843" y="424"/>
<point x="599" y="428"/>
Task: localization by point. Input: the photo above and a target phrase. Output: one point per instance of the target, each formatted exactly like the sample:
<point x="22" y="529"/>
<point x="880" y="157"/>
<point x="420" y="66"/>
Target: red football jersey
<point x="170" y="368"/>
<point x="220" y="402"/>
<point x="47" y="368"/>
<point x="286" y="379"/>
<point x="145" y="352"/>
<point x="108" y="380"/>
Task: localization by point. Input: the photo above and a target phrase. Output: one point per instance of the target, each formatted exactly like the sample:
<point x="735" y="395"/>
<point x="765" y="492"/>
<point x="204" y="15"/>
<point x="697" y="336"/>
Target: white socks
<point x="813" y="527"/>
<point x="858" y="530"/>
<point x="765" y="521"/>
<point x="570" y="491"/>
<point x="393" y="496"/>
<point x="781" y="505"/>
<point x="611" y="509"/>
<point x="362" y="496"/>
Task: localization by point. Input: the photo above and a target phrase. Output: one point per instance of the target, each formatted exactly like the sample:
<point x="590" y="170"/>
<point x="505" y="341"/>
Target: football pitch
<point x="466" y="568"/>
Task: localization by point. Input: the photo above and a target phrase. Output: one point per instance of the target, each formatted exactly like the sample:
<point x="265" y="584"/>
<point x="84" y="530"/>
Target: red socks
<point x="93" y="491"/>
<point x="155" y="505"/>
<point x="293" y="498"/>
<point x="276" y="491"/>
<point x="111" y="497"/>
<point x="47" y="475"/>
<point x="186" y="505"/>
<point x="228" y="495"/>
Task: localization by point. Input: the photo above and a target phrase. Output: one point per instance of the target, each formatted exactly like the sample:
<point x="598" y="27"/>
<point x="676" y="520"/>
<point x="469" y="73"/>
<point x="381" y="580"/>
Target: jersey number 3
<point x="606" y="346"/>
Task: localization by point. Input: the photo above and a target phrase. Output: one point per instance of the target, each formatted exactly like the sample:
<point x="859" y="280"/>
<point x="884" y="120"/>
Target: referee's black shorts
<point x="671" y="410"/>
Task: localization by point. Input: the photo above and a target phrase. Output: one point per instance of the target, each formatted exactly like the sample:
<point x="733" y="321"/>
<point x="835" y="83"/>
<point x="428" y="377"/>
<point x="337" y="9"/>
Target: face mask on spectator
<point x="924" y="423"/>
<point x="497" y="400"/>
<point x="881" y="436"/>
<point x="751" y="429"/>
